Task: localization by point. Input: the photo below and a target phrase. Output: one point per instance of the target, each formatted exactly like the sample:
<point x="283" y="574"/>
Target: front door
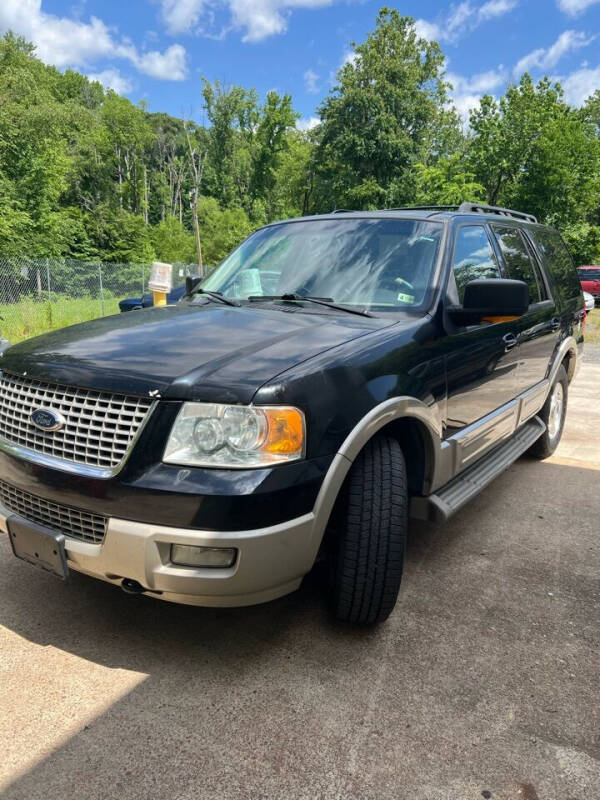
<point x="481" y="365"/>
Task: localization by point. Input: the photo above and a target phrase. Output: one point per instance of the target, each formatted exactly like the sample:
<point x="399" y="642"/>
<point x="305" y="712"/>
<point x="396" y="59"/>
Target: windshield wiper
<point x="320" y="301"/>
<point x="216" y="296"/>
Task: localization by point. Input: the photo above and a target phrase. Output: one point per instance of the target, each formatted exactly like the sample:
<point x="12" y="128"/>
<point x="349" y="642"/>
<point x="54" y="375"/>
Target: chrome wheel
<point x="557" y="401"/>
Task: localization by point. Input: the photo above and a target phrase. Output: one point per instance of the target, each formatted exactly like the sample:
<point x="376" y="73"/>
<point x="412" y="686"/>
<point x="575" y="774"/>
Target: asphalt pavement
<point x="483" y="683"/>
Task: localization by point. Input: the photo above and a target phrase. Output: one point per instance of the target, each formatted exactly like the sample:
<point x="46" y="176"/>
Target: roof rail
<point x="424" y="208"/>
<point x="481" y="208"/>
<point x="344" y="211"/>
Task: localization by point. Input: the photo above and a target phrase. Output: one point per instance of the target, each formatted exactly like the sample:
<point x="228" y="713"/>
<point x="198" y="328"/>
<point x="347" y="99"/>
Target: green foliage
<point x="531" y="150"/>
<point x="221" y="230"/>
<point x="120" y="235"/>
<point x="172" y="242"/>
<point x="381" y="118"/>
<point x="86" y="175"/>
<point x="447" y="182"/>
<point x="584" y="241"/>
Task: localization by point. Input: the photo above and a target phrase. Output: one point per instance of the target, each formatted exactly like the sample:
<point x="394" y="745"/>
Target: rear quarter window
<point x="558" y="262"/>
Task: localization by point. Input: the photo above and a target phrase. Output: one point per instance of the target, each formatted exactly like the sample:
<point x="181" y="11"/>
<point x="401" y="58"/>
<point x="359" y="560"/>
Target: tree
<point x="172" y="242"/>
<point x="232" y="114"/>
<point x="221" y="229"/>
<point x="381" y="117"/>
<point x="447" y="182"/>
<point x="530" y="150"/>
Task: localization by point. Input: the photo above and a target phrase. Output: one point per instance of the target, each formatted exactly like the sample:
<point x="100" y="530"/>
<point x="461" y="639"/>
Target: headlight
<point x="213" y="435"/>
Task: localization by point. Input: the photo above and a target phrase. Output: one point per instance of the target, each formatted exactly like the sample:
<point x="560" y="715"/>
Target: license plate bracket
<point x="38" y="545"/>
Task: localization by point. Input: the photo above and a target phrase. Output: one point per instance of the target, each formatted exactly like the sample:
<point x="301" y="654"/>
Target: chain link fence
<point x="41" y="294"/>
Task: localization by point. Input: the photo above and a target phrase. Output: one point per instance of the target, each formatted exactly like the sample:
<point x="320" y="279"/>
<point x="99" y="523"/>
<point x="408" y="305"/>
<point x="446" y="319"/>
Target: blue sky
<point x="158" y="50"/>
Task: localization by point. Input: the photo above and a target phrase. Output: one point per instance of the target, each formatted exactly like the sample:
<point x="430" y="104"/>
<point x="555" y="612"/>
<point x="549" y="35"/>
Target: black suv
<point x="208" y="452"/>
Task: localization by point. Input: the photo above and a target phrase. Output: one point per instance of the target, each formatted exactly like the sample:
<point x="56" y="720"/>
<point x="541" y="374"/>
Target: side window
<point x="558" y="260"/>
<point x="473" y="257"/>
<point x="518" y="262"/>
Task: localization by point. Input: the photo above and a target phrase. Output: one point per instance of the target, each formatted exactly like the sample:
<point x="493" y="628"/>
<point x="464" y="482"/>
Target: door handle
<point x="510" y="340"/>
<point x="555" y="323"/>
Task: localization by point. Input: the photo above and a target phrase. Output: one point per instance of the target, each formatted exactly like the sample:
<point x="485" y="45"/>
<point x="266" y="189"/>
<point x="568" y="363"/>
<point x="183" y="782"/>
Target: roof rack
<point x="481" y="208"/>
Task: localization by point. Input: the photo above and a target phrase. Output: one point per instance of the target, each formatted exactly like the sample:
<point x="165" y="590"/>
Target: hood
<point x="196" y="352"/>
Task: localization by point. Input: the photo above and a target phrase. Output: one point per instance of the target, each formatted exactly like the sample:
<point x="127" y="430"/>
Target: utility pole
<point x="197" y="160"/>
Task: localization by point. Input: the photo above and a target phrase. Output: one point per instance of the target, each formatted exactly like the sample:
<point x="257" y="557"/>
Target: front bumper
<point x="271" y="561"/>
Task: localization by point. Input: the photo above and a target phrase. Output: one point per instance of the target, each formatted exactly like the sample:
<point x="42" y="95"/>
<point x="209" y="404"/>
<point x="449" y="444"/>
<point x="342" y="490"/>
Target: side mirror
<point x="191" y="282"/>
<point x="490" y="298"/>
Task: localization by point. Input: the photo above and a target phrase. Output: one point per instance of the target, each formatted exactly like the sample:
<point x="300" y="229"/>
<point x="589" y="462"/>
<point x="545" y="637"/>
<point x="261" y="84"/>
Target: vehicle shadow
<point x="279" y="700"/>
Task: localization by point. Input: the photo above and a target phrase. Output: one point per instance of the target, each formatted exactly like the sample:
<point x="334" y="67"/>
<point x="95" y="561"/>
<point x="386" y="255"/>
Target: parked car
<point x="147" y="301"/>
<point x="590" y="281"/>
<point x="589" y="301"/>
<point x="209" y="452"/>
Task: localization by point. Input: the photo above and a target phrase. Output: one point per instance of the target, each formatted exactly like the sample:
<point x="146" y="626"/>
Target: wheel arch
<point x="567" y="355"/>
<point x="413" y="423"/>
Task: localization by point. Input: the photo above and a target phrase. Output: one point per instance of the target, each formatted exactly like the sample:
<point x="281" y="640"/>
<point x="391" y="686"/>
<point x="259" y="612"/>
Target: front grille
<point x="71" y="521"/>
<point x="99" y="427"/>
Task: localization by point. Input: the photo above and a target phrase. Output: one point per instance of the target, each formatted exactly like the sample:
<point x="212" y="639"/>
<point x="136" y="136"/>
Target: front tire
<point x="368" y="560"/>
<point x="553" y="415"/>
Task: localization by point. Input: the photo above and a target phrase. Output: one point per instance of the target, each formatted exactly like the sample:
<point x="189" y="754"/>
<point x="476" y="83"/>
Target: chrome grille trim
<point x="72" y="522"/>
<point x="101" y="427"/>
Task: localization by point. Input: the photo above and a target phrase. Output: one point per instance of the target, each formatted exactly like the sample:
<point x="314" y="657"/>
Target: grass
<point x="30" y="317"/>
<point x="592" y="327"/>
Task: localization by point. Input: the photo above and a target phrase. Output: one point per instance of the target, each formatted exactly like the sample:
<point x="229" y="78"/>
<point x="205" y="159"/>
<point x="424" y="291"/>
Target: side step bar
<point x="450" y="498"/>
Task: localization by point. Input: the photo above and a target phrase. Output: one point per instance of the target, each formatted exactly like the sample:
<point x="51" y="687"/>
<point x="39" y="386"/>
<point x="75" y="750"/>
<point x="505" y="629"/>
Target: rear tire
<point x="368" y="559"/>
<point x="553" y="415"/>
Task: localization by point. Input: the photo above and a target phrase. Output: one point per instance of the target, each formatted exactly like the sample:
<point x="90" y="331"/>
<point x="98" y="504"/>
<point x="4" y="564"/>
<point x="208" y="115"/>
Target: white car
<point x="589" y="301"/>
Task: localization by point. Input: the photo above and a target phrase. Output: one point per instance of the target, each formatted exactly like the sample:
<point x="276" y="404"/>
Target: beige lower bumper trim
<point x="271" y="561"/>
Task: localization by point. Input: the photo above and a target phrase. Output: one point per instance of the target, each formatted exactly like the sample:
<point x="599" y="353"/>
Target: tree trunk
<point x="146" y="201"/>
<point x="120" y="173"/>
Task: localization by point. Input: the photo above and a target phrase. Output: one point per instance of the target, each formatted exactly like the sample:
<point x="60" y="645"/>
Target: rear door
<point x="537" y="330"/>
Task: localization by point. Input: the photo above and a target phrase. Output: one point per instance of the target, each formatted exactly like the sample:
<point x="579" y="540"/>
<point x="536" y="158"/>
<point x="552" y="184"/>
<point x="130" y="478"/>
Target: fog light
<point x="186" y="555"/>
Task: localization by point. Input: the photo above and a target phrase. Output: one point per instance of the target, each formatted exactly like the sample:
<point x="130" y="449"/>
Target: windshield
<point x="385" y="264"/>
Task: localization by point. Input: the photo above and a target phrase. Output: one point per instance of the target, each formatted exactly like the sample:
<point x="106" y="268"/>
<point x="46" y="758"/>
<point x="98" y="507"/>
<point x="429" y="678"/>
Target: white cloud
<point x="428" y="30"/>
<point x="65" y="42"/>
<point x="170" y="65"/>
<point x="481" y="82"/>
<point x="258" y="19"/>
<point x="575" y="7"/>
<point x="580" y="84"/>
<point x="351" y="57"/>
<point x="182" y="15"/>
<point x="262" y="18"/>
<point x="308" y="124"/>
<point x="462" y="19"/>
<point x="547" y="58"/>
<point x="112" y="79"/>
<point x="467" y="92"/>
<point x="311" y="81"/>
<point x="496" y="8"/>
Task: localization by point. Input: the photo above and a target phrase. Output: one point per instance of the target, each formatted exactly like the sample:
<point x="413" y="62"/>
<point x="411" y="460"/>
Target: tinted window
<point x="589" y="274"/>
<point x="558" y="260"/>
<point x="518" y="262"/>
<point x="473" y="257"/>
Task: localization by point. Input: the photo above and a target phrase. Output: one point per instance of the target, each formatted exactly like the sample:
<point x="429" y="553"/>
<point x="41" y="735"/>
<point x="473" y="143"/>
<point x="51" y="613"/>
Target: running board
<point x="453" y="496"/>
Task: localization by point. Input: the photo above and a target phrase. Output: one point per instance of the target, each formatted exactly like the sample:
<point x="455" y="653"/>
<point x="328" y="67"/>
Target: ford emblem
<point x="47" y="419"/>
